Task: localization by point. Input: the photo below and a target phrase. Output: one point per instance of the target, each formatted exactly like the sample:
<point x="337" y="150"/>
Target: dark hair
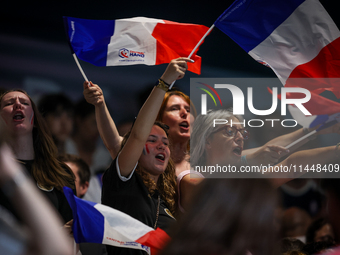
<point x="227" y="216"/>
<point x="55" y="104"/>
<point x="316" y="247"/>
<point x="3" y="132"/>
<point x="46" y="169"/>
<point x="332" y="185"/>
<point x="314" y="227"/>
<point x="84" y="170"/>
<point x="166" y="184"/>
<point x="83" y="109"/>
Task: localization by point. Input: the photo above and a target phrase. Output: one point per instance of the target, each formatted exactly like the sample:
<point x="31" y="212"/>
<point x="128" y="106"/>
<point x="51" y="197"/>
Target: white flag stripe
<point x="128" y="34"/>
<point x="302" y="119"/>
<point x="122" y="223"/>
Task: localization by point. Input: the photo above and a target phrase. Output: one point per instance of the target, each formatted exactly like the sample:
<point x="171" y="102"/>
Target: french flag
<point x="295" y="38"/>
<point x="133" y="41"/>
<point x="97" y="223"/>
<point x="325" y="112"/>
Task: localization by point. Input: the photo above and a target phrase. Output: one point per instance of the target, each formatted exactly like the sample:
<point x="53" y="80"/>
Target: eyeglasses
<point x="231" y="131"/>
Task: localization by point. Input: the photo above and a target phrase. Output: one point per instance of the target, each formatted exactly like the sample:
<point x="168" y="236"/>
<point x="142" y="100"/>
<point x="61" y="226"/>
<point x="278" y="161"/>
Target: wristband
<point x="10" y="185"/>
<point x="162" y="85"/>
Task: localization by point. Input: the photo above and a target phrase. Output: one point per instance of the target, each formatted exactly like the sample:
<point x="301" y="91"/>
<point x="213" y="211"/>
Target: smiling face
<point x="222" y="147"/>
<point x="156" y="152"/>
<point x="17" y="112"/>
<point x="177" y="116"/>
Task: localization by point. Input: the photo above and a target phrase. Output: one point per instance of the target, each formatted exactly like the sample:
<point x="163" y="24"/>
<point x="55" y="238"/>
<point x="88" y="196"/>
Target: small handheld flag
<point x="133" y="41"/>
<point x="97" y="223"/>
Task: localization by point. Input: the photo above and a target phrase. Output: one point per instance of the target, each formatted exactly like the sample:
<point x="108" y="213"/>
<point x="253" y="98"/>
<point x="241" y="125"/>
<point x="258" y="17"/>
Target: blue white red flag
<point x="295" y="38"/>
<point x="97" y="223"/>
<point x="133" y="41"/>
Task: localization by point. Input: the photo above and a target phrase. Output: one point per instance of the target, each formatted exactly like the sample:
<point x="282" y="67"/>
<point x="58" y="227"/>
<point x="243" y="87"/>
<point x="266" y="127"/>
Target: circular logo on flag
<point x="123" y="53"/>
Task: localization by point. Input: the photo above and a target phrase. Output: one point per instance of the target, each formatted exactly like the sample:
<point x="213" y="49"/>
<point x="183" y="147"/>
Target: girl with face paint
<point x="141" y="179"/>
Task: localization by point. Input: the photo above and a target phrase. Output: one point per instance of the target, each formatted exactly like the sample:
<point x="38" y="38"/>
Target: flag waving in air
<point x="324" y="112"/>
<point x="133" y="41"/>
<point x="295" y="38"/>
<point x="97" y="223"/>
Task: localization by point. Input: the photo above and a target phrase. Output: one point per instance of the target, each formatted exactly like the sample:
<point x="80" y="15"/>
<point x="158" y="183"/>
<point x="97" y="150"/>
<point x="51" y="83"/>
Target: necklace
<point x="157" y="214"/>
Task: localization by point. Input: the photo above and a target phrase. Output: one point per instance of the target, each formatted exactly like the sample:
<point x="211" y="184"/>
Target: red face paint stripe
<point x="32" y="118"/>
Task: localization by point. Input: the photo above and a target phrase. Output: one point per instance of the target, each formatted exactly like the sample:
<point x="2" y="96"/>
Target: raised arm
<point x="312" y="157"/>
<point x="106" y="126"/>
<point x="146" y="117"/>
<point x="272" y="151"/>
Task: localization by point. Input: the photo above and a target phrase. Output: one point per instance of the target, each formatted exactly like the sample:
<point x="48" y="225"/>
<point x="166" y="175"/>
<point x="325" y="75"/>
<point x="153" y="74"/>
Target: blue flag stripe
<point x="90" y="38"/>
<point x="249" y="22"/>
<point x="88" y="222"/>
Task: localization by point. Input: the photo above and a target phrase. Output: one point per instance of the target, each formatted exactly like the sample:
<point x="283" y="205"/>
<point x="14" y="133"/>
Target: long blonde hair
<point x="46" y="169"/>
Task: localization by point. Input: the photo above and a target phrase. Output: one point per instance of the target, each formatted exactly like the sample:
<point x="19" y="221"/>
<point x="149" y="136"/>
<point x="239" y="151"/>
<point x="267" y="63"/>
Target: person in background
<point x="80" y="170"/>
<point x="88" y="187"/>
<point x="320" y="230"/>
<point x="227" y="216"/>
<point x="82" y="173"/>
<point x="39" y="232"/>
<point x="58" y="112"/>
<point x="332" y="188"/>
<point x="85" y="141"/>
<point x="295" y="222"/>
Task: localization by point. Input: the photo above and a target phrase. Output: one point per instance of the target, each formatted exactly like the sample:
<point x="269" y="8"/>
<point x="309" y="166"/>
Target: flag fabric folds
<point x="97" y="223"/>
<point x="325" y="112"/>
<point x="133" y="41"/>
<point x="296" y="38"/>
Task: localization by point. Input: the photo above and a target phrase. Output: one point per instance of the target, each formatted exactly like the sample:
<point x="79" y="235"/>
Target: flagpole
<point x="300" y="139"/>
<point x="79" y="66"/>
<point x="197" y="45"/>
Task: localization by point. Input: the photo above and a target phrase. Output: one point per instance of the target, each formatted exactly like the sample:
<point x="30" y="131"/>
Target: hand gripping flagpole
<point x="301" y="139"/>
<point x="190" y="55"/>
<point x="197" y="45"/>
<point x="334" y="119"/>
